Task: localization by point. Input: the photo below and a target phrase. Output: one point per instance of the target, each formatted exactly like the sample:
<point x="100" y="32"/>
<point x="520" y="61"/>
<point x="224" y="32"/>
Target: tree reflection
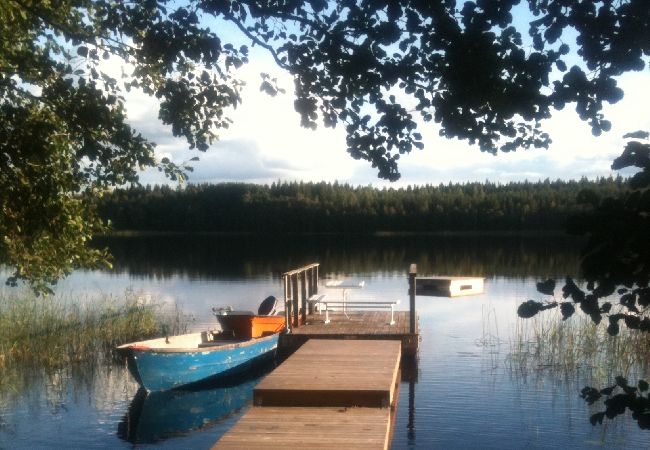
<point x="212" y="256"/>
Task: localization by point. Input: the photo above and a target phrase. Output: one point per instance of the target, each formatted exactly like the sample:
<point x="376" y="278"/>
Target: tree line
<point x="334" y="207"/>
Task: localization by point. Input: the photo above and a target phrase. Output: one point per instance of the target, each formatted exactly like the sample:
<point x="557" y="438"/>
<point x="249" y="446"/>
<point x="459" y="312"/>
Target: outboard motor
<point x="224" y="311"/>
<point x="267" y="307"/>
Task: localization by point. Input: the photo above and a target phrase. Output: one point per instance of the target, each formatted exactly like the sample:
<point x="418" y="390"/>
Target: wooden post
<point x="296" y="305"/>
<point x="287" y="304"/>
<point x="411" y="421"/>
<point x="311" y="275"/>
<point x="304" y="296"/>
<point x="413" y="272"/>
<point x="294" y="298"/>
<point x="310" y="282"/>
<point x="308" y="279"/>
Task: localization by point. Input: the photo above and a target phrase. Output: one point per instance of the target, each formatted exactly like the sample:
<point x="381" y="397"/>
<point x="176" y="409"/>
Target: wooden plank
<point x="280" y="428"/>
<point x="359" y="325"/>
<point x="301" y="269"/>
<point x="334" y="373"/>
<point x="357" y="322"/>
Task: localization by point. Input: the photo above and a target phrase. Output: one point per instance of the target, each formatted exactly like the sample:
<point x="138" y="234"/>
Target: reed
<point x="52" y="332"/>
<point x="546" y="342"/>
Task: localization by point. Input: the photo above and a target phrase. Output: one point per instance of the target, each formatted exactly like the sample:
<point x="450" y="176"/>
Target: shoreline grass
<point x="50" y="332"/>
<point x="546" y="342"/>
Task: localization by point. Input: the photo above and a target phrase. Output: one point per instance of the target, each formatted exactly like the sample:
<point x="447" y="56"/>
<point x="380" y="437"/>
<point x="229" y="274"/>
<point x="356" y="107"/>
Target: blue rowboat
<point x="245" y="339"/>
<point x="174" y="361"/>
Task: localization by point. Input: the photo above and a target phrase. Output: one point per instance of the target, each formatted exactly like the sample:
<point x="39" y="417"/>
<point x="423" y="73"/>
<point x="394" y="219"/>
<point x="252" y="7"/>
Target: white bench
<point x="315" y="301"/>
<point x="329" y="305"/>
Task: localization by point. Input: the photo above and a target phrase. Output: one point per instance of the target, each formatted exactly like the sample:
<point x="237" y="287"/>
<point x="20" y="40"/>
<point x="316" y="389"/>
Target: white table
<point x="345" y="286"/>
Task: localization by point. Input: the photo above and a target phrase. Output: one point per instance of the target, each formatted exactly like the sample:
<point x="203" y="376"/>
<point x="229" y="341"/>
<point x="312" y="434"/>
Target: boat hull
<point x="158" y="369"/>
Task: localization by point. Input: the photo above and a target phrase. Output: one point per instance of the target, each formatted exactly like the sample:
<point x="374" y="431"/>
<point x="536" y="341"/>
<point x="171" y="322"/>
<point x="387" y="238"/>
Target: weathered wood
<point x="295" y="295"/>
<point x="303" y="295"/>
<point x="287" y="301"/>
<point x="282" y="428"/>
<point x="334" y="373"/>
<point x="358" y="325"/>
<point x="413" y="273"/>
<point x="301" y="269"/>
<point x="355" y="306"/>
<point x="314" y="281"/>
<point x="307" y="278"/>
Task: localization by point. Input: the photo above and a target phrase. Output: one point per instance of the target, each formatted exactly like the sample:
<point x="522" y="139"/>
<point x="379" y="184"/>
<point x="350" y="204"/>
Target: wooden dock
<point x="356" y="325"/>
<point x="334" y="373"/>
<point x="273" y="428"/>
<point x="330" y="394"/>
<point x="339" y="386"/>
<point x="355" y="320"/>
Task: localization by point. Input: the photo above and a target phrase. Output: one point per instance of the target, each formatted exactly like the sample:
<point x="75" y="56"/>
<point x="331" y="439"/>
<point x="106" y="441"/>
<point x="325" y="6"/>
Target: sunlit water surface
<point x="465" y="393"/>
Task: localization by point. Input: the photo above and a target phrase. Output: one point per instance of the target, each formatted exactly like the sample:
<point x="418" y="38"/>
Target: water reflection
<point x="156" y="416"/>
<point x="210" y="256"/>
<point x="463" y="393"/>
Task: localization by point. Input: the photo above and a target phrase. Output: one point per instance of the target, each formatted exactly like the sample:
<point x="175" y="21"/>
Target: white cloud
<point x="266" y="143"/>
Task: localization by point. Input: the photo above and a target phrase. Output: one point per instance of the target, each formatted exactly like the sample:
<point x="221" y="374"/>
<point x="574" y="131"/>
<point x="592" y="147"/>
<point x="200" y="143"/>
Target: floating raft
<point x="441" y="286"/>
<point x="347" y="373"/>
<point x="282" y="428"/>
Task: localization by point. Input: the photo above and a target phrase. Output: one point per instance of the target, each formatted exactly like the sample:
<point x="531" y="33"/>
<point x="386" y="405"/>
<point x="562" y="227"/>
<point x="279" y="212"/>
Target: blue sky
<point x="266" y="143"/>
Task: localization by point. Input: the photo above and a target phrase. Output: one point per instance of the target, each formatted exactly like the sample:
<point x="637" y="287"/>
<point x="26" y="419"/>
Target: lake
<point x="466" y="392"/>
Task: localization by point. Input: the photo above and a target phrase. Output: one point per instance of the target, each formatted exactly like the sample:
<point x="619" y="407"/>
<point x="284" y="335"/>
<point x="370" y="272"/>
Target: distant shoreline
<point x="477" y="233"/>
<point x="323" y="209"/>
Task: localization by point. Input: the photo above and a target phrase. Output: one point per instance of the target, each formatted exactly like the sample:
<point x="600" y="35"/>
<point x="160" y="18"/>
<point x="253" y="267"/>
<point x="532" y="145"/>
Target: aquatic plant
<point x="52" y="332"/>
<point x="581" y="348"/>
<point x="548" y="342"/>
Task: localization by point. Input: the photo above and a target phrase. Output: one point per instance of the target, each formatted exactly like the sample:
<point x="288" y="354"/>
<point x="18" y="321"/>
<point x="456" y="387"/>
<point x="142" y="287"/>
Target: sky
<point x="266" y="143"/>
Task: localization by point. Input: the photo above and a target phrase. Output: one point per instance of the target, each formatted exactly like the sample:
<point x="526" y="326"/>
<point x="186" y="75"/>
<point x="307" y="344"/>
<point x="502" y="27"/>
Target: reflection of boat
<point x="159" y="415"/>
<point x="170" y="362"/>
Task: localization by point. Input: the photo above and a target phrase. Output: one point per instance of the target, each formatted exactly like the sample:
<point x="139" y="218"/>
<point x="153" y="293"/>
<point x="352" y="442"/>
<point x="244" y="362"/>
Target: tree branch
<point x="257" y="41"/>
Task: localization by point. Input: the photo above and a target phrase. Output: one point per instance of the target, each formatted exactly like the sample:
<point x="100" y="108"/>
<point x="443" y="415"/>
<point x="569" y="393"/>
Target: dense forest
<point x="334" y="207"/>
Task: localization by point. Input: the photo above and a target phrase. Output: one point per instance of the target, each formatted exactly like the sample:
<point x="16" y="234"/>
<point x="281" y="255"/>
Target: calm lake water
<point x="465" y="393"/>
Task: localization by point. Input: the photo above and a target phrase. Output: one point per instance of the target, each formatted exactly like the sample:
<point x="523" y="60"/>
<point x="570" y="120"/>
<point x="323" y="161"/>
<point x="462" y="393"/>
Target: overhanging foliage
<point x="376" y="67"/>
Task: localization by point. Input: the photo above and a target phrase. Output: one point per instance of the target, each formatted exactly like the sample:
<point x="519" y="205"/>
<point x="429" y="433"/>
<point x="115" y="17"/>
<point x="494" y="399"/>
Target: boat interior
<point x="233" y="330"/>
<point x="187" y="341"/>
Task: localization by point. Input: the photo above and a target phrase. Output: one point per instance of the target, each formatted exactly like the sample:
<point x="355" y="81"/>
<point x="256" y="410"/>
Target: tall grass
<point x="546" y="342"/>
<point x="51" y="332"/>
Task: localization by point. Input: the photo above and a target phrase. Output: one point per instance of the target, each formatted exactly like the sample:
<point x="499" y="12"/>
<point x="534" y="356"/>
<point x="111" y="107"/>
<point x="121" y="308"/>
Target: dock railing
<point x="299" y="285"/>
